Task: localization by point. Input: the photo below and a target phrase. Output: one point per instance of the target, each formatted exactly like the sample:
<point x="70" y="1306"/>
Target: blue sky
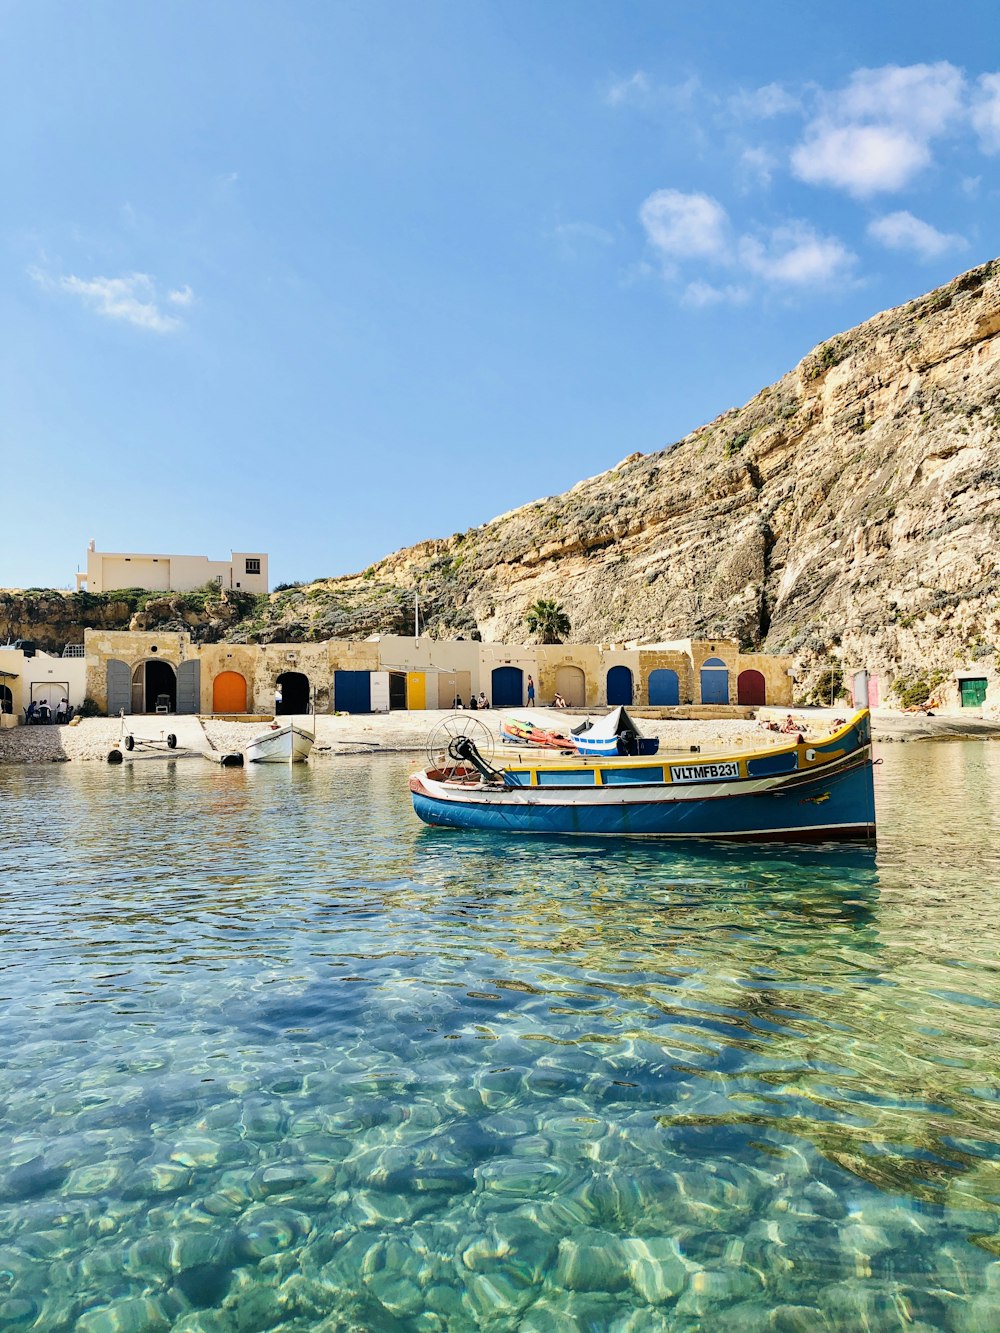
<point x="324" y="279"/>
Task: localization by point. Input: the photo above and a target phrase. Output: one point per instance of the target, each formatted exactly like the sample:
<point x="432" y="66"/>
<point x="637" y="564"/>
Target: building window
<point x="253" y="566"/>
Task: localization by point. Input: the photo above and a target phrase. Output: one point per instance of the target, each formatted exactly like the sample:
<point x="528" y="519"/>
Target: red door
<point x="750" y="689"/>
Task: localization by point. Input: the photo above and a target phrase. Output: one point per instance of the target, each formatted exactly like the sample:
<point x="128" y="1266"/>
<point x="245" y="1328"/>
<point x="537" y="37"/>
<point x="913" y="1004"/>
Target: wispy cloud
<point x="757" y="166"/>
<point x="793" y="256"/>
<point x="635" y="88"/>
<point x="640" y="90"/>
<point x="773" y="99"/>
<point x="874" y="135"/>
<point x="575" y="239"/>
<point x="986" y="112"/>
<point x="132" y="298"/>
<point x="903" y="231"/>
<point x="701" y="294"/>
<point x="684" y="225"/>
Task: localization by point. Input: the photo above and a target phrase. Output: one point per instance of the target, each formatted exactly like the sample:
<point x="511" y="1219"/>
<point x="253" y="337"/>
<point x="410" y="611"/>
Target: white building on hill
<point x="106" y="571"/>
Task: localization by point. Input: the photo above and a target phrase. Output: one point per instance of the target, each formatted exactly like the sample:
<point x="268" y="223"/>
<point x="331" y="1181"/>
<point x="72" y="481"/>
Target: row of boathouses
<point x="146" y="672"/>
<point x="135" y="670"/>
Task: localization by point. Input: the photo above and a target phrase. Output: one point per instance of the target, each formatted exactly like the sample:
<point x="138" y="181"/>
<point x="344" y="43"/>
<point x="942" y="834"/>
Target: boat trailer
<point x="129" y="741"/>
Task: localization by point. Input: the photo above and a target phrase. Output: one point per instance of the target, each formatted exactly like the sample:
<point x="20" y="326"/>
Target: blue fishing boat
<point x="801" y="790"/>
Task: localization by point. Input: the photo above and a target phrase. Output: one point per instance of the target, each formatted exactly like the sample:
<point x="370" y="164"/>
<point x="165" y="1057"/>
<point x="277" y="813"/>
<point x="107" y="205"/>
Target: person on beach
<point x="472" y="702"/>
<point x="61" y="708"/>
<point x="558" y="701"/>
<point x="483" y="701"/>
<point x="277" y="700"/>
<point x="531" y="693"/>
<point x="31" y="712"/>
<point x="44" y="712"/>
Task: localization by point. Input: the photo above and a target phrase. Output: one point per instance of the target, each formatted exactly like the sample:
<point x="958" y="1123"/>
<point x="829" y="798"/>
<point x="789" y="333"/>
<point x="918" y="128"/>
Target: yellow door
<point x="416" y="689"/>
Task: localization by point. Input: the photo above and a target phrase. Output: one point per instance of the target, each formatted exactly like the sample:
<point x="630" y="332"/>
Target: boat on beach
<point x="802" y="790"/>
<point x="615" y="734"/>
<point x="288" y="744"/>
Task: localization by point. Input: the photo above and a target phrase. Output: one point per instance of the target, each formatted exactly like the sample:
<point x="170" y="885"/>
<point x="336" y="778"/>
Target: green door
<point x="973" y="692"/>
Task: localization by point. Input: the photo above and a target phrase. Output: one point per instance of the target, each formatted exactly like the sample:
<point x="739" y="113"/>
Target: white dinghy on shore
<point x="288" y="744"/>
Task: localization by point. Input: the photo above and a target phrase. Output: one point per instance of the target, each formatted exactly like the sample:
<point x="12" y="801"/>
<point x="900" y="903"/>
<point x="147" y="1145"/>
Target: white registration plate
<point x="704" y="772"/>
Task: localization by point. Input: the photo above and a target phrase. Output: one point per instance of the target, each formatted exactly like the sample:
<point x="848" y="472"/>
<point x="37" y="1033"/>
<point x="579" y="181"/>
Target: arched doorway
<point x="229" y="693"/>
<point x="750" y="688"/>
<point x="664" y="688"/>
<point x="294" y="692"/>
<point x="154" y="684"/>
<point x="571" y="683"/>
<point x="619" y="686"/>
<point x="6" y="699"/>
<point x="508" y="687"/>
<point x="714" y="681"/>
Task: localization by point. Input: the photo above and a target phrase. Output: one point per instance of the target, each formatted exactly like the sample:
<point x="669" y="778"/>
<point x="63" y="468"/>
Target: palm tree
<point x="548" y="620"/>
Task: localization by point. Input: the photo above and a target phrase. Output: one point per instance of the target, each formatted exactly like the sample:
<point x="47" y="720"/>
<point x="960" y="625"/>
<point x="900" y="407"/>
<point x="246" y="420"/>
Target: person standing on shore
<point x="531" y="693"/>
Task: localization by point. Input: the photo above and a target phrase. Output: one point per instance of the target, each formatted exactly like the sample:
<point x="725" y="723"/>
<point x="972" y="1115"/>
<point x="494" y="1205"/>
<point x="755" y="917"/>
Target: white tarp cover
<point x="607" y="727"/>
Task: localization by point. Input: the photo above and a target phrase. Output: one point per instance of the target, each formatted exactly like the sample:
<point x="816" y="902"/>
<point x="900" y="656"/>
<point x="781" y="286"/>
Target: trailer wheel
<point x="171" y="741"/>
<point x="129" y="742"/>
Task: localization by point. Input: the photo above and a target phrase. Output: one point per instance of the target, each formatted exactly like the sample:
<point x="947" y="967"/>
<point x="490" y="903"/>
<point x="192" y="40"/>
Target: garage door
<point x="352" y="691"/>
<point x="508" y="687"/>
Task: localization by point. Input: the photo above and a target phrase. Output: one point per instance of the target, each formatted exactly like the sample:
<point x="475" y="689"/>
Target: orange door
<point x="229" y="693"/>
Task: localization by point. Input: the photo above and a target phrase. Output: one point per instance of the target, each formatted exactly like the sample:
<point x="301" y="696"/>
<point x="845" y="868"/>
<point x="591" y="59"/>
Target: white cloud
<point x="685" y="225"/>
<point x="795" y="255"/>
<point x="132" y="298"/>
<point x="903" y="231"/>
<point x="862" y="159"/>
<point x="924" y="98"/>
<point x="874" y="135"/>
<point x="986" y="113"/>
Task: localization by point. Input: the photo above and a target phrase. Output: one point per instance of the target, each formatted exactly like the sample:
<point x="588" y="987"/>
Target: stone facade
<point x="432" y="671"/>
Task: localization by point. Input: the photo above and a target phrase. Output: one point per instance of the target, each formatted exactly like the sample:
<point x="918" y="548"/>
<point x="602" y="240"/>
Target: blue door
<point x="508" y="687"/>
<point x="352" y="691"/>
<point x="714" y="682"/>
<point x="664" y="688"/>
<point x="619" y="686"/>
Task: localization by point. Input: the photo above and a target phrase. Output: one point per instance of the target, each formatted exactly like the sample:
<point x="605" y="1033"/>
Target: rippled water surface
<point x="276" y="1056"/>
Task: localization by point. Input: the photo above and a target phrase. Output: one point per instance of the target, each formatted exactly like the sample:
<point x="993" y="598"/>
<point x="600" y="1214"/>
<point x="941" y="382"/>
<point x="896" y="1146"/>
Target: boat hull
<point x="832" y="807"/>
<point x="608" y="748"/>
<point x="288" y="745"/>
<point x="804" y="791"/>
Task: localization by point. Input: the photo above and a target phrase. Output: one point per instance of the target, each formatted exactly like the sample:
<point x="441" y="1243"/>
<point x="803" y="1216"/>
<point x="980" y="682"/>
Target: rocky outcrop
<point x="848" y="513"/>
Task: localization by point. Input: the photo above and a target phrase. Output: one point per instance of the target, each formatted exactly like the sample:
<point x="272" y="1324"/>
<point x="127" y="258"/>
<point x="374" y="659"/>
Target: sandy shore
<point x="406" y="733"/>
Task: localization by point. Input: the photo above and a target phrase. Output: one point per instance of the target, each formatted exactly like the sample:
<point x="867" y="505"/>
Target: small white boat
<point x="286" y="744"/>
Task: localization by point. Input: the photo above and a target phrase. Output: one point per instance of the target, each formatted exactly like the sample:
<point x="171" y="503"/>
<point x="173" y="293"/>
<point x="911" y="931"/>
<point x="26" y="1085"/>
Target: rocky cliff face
<point x="848" y="512"/>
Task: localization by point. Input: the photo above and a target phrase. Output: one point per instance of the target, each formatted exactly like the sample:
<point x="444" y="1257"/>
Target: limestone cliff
<point x="849" y="511"/>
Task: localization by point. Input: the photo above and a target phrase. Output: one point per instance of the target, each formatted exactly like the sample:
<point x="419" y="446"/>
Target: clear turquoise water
<point x="276" y="1056"/>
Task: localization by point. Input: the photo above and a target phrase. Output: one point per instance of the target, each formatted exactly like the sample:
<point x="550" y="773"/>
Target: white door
<point x="380" y="691"/>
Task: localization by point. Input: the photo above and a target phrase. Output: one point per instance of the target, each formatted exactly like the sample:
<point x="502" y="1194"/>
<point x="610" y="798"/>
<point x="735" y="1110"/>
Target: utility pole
<point x="416" y="616"/>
